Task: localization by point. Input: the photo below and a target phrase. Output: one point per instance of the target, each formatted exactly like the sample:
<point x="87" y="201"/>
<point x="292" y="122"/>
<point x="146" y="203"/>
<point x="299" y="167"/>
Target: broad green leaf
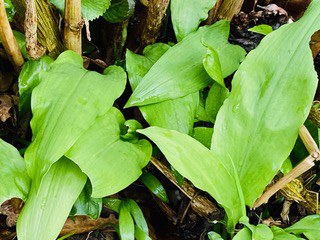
<point x="214" y="236"/>
<point x="29" y="79"/>
<point x="176" y="114"/>
<point x="119" y="10"/>
<point x="258" y="124"/>
<point x="186" y="15"/>
<point x="202" y="167"/>
<point x="138" y="217"/>
<point x="263" y="29"/>
<point x="262" y="232"/>
<point x="48" y="206"/>
<point x="280" y="234"/>
<point x="180" y="72"/>
<point x="308" y="226"/>
<point x="126" y="224"/>
<point x="286" y="166"/>
<point x="112" y="203"/>
<point x="9" y="9"/>
<point x="155" y="186"/>
<point x="243" y="234"/>
<point x="15" y="181"/>
<point x="212" y="65"/>
<point x="216" y="97"/>
<point x="90" y="9"/>
<point x="110" y="162"/>
<point x="65" y="104"/>
<point x="86" y="205"/>
<point x="203" y="135"/>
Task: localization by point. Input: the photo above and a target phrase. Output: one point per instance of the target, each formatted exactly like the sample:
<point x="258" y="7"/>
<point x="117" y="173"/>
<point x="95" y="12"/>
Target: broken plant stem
<point x="73" y="25"/>
<point x="9" y="42"/>
<point x="200" y="204"/>
<point x="34" y="50"/>
<point x="301" y="168"/>
<point x="308" y="140"/>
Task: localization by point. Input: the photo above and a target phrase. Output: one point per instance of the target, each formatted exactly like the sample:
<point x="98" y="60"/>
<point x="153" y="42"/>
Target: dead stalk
<point x="73" y="25"/>
<point x="200" y="204"/>
<point x="228" y="9"/>
<point x="8" y="40"/>
<point x="156" y="13"/>
<point x="301" y="168"/>
<point x="34" y="50"/>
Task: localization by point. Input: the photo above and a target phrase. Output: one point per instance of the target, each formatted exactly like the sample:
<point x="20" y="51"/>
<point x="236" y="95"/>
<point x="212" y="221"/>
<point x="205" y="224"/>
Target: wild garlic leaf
<point x="186" y="15"/>
<point x="203" y="135"/>
<point x="102" y="154"/>
<point x="90" y="9"/>
<point x="65" y="104"/>
<point x="10" y="10"/>
<point x="155" y="186"/>
<point x="202" y="167"/>
<point x="87" y="205"/>
<point x="216" y="97"/>
<point x="29" y="79"/>
<point x="15" y="181"/>
<point x="49" y="205"/>
<point x="271" y="96"/>
<point x="280" y="234"/>
<point x="172" y="76"/>
<point x="176" y="114"/>
<point x="308" y="226"/>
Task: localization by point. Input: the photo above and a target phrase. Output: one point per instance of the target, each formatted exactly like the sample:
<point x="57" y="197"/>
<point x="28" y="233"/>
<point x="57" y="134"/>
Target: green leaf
<point x="216" y="97"/>
<point x="202" y="167"/>
<point x="172" y="76"/>
<point x="186" y="15"/>
<point x="119" y="10"/>
<point x="29" y="79"/>
<point x="86" y="205"/>
<point x="112" y="203"/>
<point x="280" y="234"/>
<point x="286" y="166"/>
<point x="155" y="186"/>
<point x="203" y="135"/>
<point x="214" y="236"/>
<point x="138" y="217"/>
<point x="177" y="114"/>
<point x="262" y="232"/>
<point x="15" y="181"/>
<point x="212" y="65"/>
<point x="258" y="125"/>
<point x="48" y="206"/>
<point x="9" y="9"/>
<point x="126" y="224"/>
<point x="308" y="226"/>
<point x="21" y="42"/>
<point x="101" y="153"/>
<point x="263" y="29"/>
<point x="243" y="234"/>
<point x="90" y="9"/>
<point x="65" y="104"/>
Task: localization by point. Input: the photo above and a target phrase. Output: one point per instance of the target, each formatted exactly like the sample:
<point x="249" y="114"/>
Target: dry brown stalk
<point x="314" y="115"/>
<point x="9" y="42"/>
<point x="83" y="224"/>
<point x="301" y="168"/>
<point x="48" y="33"/>
<point x="228" y="9"/>
<point x="199" y="203"/>
<point x="156" y="13"/>
<point x="73" y="25"/>
<point x="34" y="50"/>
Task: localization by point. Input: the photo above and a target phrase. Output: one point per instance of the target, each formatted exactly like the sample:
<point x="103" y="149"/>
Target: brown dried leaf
<point x="11" y="209"/>
<point x="83" y="224"/>
<point x="6" y="104"/>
